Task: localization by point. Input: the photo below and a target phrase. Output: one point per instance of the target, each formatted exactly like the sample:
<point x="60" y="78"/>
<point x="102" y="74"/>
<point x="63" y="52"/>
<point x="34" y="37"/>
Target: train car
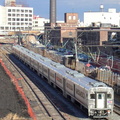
<point x="93" y="97"/>
<point x="55" y="77"/>
<point x="52" y="76"/>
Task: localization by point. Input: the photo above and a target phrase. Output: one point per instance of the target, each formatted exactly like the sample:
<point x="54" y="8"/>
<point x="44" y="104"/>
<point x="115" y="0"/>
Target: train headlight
<point x="108" y="111"/>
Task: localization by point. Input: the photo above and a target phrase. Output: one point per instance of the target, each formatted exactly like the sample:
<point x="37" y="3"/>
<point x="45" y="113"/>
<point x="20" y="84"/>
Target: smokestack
<point x="52" y="11"/>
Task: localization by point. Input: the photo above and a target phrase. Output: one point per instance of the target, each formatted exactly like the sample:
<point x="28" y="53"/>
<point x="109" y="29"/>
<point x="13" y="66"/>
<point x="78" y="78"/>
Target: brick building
<point x="62" y="33"/>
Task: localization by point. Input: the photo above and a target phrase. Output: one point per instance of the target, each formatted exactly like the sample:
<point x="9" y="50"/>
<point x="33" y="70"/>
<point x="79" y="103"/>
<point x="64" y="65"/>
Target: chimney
<point x="52" y="11"/>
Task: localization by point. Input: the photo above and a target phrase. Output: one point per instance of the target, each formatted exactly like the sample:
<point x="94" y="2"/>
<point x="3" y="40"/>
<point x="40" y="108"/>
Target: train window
<point x="99" y="96"/>
<point x="92" y="96"/>
<point x="109" y="96"/>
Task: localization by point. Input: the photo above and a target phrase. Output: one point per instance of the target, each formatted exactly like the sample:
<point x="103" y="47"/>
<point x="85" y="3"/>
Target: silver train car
<point x="93" y="97"/>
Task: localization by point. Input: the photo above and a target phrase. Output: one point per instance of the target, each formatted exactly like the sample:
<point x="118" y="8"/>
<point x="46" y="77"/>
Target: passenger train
<point x="93" y="97"/>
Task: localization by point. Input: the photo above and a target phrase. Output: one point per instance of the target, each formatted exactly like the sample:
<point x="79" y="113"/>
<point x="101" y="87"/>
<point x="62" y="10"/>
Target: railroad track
<point x="117" y="109"/>
<point x="45" y="100"/>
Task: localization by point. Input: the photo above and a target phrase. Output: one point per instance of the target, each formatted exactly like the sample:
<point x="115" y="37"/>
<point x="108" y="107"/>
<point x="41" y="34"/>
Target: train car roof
<point x="73" y="75"/>
<point x="83" y="80"/>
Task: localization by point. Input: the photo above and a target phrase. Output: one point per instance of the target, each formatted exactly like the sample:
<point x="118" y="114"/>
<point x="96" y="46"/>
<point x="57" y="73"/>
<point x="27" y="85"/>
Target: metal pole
<point x="76" y="54"/>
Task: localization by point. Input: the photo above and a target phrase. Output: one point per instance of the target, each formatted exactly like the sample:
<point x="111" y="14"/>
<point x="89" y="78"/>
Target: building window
<point x="9" y="10"/>
<point x="18" y="19"/>
<point x="26" y="23"/>
<point x="13" y="14"/>
<point x="30" y="11"/>
<point x="26" y="19"/>
<point x="18" y="15"/>
<point x="9" y="23"/>
<point x="69" y="17"/>
<point x="2" y="28"/>
<point x="26" y="10"/>
<point x="18" y="28"/>
<point x="30" y="19"/>
<point x="26" y="15"/>
<point x="9" y="19"/>
<point x="74" y="17"/>
<point x="30" y="15"/>
<point x="22" y="10"/>
<point x="22" y="28"/>
<point x="18" y="23"/>
<point x="70" y="33"/>
<point x="9" y="14"/>
<point x="13" y="10"/>
<point x="36" y="22"/>
<point x="22" y="19"/>
<point x="13" y="23"/>
<point x="13" y="19"/>
<point x="22" y="15"/>
<point x="6" y="28"/>
<point x="18" y="10"/>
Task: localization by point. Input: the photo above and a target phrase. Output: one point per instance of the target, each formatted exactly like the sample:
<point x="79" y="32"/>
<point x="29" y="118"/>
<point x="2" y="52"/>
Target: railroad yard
<point x="24" y="95"/>
<point x="53" y="69"/>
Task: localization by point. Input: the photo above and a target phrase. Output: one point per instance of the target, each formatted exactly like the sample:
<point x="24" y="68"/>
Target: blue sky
<point x="41" y="7"/>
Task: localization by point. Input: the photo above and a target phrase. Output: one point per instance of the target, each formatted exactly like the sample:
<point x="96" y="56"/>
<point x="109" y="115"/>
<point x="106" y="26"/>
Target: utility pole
<point x="76" y="54"/>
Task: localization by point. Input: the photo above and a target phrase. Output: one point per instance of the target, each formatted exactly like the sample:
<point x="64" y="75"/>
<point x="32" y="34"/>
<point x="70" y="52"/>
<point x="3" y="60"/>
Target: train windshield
<point x="92" y="96"/>
<point x="109" y="96"/>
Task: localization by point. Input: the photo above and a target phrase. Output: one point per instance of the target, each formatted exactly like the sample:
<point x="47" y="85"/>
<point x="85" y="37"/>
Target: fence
<point x="110" y="78"/>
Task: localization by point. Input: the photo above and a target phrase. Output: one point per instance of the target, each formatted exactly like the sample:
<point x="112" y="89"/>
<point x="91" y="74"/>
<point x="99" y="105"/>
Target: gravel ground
<point x="12" y="107"/>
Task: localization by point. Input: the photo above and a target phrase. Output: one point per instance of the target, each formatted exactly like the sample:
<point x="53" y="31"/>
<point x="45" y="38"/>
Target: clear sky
<point x="41" y="7"/>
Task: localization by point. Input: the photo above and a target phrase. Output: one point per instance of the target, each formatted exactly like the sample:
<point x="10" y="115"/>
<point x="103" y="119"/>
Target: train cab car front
<point x="101" y="102"/>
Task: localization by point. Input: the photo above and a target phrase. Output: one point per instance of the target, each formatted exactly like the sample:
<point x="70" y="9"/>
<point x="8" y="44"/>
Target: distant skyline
<point x="41" y="7"/>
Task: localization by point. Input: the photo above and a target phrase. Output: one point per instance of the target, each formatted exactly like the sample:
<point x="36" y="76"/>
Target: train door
<point x="100" y="100"/>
